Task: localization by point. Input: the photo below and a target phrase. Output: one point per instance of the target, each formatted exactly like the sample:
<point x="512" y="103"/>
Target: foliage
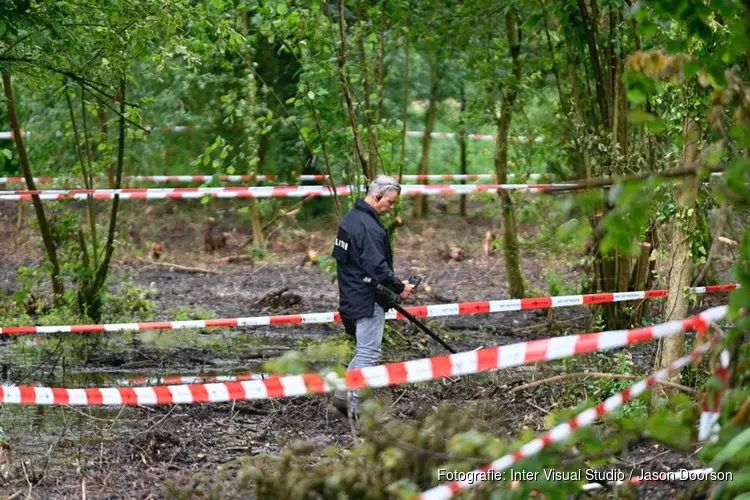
<point x="260" y="79"/>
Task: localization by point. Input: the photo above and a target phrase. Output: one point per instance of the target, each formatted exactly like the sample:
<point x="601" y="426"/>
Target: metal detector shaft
<point x="392" y="299"/>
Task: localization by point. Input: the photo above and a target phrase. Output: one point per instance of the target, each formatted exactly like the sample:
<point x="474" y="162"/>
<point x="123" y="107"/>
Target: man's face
<point x="386" y="203"/>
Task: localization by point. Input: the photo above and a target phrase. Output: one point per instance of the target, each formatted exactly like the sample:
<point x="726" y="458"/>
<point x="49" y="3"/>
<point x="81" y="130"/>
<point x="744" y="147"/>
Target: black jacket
<point x="364" y="259"/>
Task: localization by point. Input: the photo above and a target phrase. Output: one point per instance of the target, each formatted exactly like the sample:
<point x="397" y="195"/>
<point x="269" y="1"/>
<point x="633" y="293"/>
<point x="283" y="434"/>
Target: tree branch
<point x="350" y="106"/>
<point x="582" y="185"/>
<point x="101" y="273"/>
<point x="79" y="79"/>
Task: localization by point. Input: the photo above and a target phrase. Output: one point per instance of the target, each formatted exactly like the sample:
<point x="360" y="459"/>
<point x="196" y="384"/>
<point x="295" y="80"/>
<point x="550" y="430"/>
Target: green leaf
<point x="8" y="154"/>
<point x="641" y="117"/>
<point x="282" y="9"/>
<point x="714" y="157"/>
<point x="311" y="95"/>
<point x="732" y="449"/>
<point x="636" y="96"/>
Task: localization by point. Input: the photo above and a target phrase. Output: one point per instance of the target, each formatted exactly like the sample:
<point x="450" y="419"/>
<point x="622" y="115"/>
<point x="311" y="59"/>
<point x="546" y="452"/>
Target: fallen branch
<point x="287" y="212"/>
<point x="233" y="259"/>
<point x="181" y="268"/>
<point x="728" y="241"/>
<point x="692" y="169"/>
<point x="619" y="376"/>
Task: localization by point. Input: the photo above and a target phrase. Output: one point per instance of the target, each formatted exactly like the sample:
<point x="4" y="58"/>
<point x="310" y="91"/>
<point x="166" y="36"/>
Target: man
<point x="364" y="260"/>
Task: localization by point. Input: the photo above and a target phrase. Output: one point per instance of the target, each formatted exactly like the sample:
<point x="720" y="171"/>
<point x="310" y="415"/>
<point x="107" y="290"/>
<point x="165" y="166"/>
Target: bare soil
<point x="131" y="452"/>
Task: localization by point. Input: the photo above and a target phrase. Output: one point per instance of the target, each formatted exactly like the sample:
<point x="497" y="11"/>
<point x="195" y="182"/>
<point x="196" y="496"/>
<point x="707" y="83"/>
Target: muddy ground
<point x="57" y="452"/>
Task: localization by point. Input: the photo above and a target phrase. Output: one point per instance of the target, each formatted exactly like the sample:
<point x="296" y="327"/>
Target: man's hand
<point x="407" y="290"/>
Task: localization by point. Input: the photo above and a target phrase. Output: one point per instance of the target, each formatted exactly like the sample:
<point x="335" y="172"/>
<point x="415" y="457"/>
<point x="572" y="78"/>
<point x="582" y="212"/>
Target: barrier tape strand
<point x="427" y="311"/>
<point x="564" y="431"/>
<point x="421" y="370"/>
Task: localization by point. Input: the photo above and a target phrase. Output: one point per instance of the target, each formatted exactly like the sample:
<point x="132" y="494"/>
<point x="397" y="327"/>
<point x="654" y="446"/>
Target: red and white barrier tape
<point x="476" y="137"/>
<point x="420" y="370"/>
<point x="221" y="178"/>
<point x="564" y="431"/>
<point x="467" y="177"/>
<point x="301" y="177"/>
<point x="21" y="180"/>
<point x="189" y="379"/>
<point x="428" y="311"/>
<point x="409" y="133"/>
<point x="178" y="128"/>
<point x="708" y="425"/>
<point x="264" y="191"/>
<point x="185" y="379"/>
<point x="174" y="178"/>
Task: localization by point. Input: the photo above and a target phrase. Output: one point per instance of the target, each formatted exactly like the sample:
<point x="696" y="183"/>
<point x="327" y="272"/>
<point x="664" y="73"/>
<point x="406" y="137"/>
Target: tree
<point x="123" y="34"/>
<point x="680" y="272"/>
<point x="508" y="101"/>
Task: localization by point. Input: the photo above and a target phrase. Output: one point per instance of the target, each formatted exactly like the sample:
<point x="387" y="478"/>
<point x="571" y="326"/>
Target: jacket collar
<point x="360" y="204"/>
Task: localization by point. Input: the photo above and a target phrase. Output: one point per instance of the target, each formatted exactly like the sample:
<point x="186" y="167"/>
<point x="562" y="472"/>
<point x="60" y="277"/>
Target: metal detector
<point x="394" y="302"/>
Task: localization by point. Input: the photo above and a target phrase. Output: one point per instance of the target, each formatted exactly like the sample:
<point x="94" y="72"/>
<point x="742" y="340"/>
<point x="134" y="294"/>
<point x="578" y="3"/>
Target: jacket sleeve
<point x="374" y="263"/>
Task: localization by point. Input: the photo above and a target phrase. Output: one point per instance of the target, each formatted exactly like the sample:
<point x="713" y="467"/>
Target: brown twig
<point x="292" y="208"/>
<point x="181" y="268"/>
<point x="619" y="376"/>
<point x="347" y="94"/>
<point x="233" y="259"/>
<point x="159" y="422"/>
<point x="742" y="415"/>
<point x="31" y="486"/>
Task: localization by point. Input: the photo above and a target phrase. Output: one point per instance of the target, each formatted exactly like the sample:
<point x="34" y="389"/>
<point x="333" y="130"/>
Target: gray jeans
<point x="369" y="340"/>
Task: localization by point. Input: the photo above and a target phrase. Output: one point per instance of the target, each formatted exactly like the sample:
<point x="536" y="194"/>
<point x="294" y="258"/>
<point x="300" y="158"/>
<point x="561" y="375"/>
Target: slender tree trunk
<point x="19" y="222"/>
<point x="510" y="234"/>
<point x="372" y="147"/>
<point x="680" y="273"/>
<point x="555" y="68"/>
<point x="251" y="146"/>
<point x="49" y="244"/>
<point x="405" y="109"/>
<point x="366" y="168"/>
<point x="87" y="178"/>
<point x="594" y="52"/>
<point x="620" y="137"/>
<point x="462" y="146"/>
<point x="420" y="202"/>
<point x="166" y="154"/>
<point x="101" y="115"/>
<point x="91" y="295"/>
<point x="381" y="67"/>
<point x="578" y="106"/>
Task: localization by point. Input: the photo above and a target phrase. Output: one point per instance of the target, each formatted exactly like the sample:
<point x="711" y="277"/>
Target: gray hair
<point x="382" y="184"/>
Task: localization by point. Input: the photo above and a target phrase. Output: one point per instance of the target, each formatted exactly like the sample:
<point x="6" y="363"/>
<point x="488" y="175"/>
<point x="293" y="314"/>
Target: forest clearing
<point x="562" y="188"/>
